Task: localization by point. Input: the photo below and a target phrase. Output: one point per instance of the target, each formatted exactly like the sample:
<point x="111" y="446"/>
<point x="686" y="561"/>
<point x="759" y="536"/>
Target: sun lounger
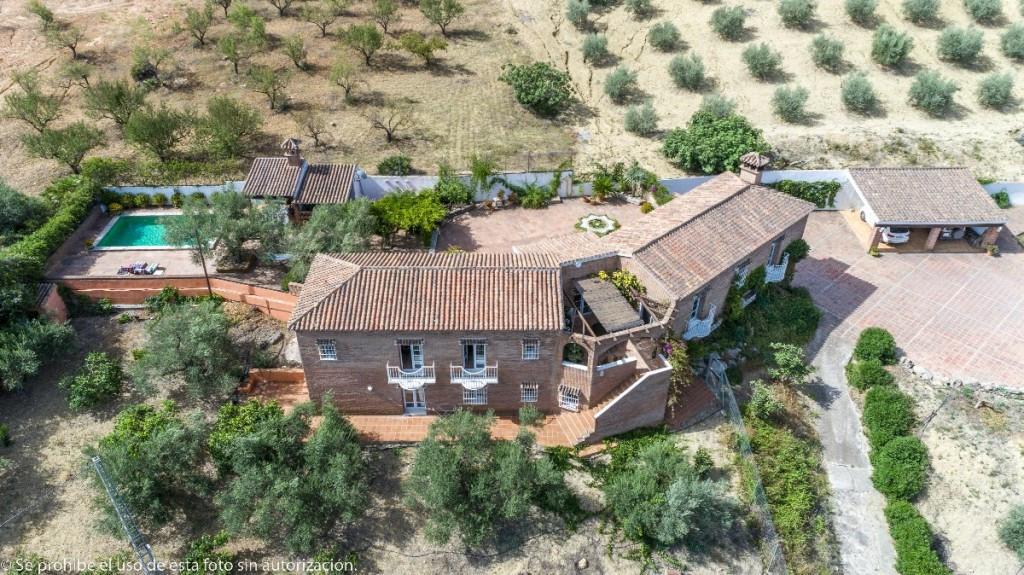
<point x="151" y="270"/>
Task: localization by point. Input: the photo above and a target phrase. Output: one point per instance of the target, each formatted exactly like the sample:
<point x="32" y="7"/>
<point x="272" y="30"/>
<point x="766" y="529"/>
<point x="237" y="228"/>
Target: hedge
<point x="876" y="343"/>
<point x="888" y="413"/>
<point x="912" y="538"/>
<point x="901" y="468"/>
<point x="821" y="194"/>
<point x="75" y="195"/>
<point x="867" y="374"/>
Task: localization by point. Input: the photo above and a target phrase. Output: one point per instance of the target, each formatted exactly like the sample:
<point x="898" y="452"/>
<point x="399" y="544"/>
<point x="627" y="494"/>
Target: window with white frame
<point x="475" y="396"/>
<point x="531" y="349"/>
<point x="529" y="392"/>
<point x="327" y="348"/>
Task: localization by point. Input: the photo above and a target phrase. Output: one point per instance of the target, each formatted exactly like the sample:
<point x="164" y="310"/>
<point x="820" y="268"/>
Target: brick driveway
<point x="961" y="316"/>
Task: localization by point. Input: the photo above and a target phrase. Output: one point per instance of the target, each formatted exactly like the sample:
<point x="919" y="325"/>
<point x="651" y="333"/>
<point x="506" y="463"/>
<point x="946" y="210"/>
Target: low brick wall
<point x="135" y="290"/>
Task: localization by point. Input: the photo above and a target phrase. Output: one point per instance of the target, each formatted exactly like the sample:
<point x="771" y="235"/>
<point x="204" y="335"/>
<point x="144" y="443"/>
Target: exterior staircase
<point x="579" y="426"/>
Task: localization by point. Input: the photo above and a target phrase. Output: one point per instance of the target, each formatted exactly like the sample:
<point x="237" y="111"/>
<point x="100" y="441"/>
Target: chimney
<point x="752" y="165"/>
<point x="292" y="152"/>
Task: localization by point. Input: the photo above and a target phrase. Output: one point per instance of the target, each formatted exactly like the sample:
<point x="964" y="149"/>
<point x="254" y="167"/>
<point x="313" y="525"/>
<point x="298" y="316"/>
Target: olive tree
<point x="323" y="14"/>
<point x="335" y="228"/>
<point x="271" y="83"/>
<point x="68" y="145"/>
<point x="158" y="130"/>
<point x="291" y="484"/>
<point x="30" y="103"/>
<point x="114" y="99"/>
<point x="198" y="21"/>
<point x="228" y="128"/>
<point x="346" y="75"/>
<point x="365" y="39"/>
<point x="442" y="12"/>
<point x="189" y="344"/>
<point x="384" y="13"/>
<point x="465" y="482"/>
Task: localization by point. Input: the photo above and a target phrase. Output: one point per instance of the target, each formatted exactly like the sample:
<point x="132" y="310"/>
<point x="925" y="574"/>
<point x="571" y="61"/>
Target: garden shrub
<point x="890" y="47"/>
<point x="595" y="48"/>
<point x="621" y="84"/>
<point x="900" y="467"/>
<point x="858" y="94"/>
<point x="788" y="103"/>
<point x="933" y="93"/>
<point x="640" y="9"/>
<point x="762" y="61"/>
<point x="876" y="343"/>
<point x="205" y="554"/>
<point x="888" y="414"/>
<point x="794" y="485"/>
<point x="646" y="207"/>
<point x="763" y="402"/>
<point x="867" y="373"/>
<point x="99" y="379"/>
<point x="822" y="193"/>
<point x="5" y="436"/>
<point x="703" y="463"/>
<point x="796" y="13"/>
<point x="687" y="72"/>
<point x="539" y="87"/>
<point x="533" y="197"/>
<point x="711" y="143"/>
<point x="1002" y="199"/>
<point x="912" y="538"/>
<point x="985" y="11"/>
<point x="24" y="347"/>
<point x="921" y="11"/>
<point x="396" y="165"/>
<point x="729" y="22"/>
<point x="717" y="105"/>
<point x="530" y="415"/>
<point x="1012" y="42"/>
<point x="827" y="53"/>
<point x="577" y="11"/>
<point x="664" y="36"/>
<point x="641" y="120"/>
<point x="1011" y="530"/>
<point x="235" y="421"/>
<point x="960" y="45"/>
<point x="797" y="250"/>
<point x="861" y="11"/>
<point x="995" y="91"/>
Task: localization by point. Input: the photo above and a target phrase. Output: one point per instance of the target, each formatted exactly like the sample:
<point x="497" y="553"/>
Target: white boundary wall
<point x="376" y="187"/>
<point x="206" y="189"/>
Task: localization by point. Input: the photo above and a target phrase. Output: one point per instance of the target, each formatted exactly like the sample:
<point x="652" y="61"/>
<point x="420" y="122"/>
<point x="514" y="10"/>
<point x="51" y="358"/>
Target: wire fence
<point x="771" y="545"/>
<point x="538" y="161"/>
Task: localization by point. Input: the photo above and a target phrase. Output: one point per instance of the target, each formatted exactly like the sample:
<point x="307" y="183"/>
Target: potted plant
<point x="992" y="250"/>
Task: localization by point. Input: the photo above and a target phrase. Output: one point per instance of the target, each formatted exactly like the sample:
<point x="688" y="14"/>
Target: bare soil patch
<point x="976" y="442"/>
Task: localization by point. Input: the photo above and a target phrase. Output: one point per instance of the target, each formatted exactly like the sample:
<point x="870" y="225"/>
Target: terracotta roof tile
<point x="926" y="196"/>
<point x="420" y="291"/>
<point x="326" y="184"/>
<point x="271" y="177"/>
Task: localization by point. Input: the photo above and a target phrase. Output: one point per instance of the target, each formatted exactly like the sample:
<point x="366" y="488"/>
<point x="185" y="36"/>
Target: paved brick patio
<point x="960" y="315"/>
<point x="500" y="230"/>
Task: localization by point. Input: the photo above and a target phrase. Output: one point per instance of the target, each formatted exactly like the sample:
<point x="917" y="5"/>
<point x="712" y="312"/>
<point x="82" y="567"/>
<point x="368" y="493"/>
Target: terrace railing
<point x="474" y="378"/>
<point x="411" y="378"/>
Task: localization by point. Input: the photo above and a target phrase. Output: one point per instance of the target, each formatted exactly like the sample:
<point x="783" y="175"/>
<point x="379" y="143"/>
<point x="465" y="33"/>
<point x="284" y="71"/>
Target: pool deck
<point x="75" y="260"/>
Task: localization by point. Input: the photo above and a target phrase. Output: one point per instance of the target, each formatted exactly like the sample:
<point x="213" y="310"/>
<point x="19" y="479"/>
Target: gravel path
<point x="864" y="543"/>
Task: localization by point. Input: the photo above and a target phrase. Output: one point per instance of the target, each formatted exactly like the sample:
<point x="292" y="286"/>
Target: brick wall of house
<point x="357" y="380"/>
<point x="607" y="379"/>
<point x="642" y="405"/>
<point x="717" y="289"/>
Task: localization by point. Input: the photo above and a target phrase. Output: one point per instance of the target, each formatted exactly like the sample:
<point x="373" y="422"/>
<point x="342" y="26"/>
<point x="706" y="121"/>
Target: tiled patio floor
<point x="402" y="429"/>
<point x="960" y="315"/>
<point x="501" y="230"/>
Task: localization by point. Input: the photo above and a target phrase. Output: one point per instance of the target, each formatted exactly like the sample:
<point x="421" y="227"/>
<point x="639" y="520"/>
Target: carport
<point x="943" y="203"/>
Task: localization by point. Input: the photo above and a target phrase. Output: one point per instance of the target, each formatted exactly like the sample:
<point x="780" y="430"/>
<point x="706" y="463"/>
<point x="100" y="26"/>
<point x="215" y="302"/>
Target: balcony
<point x="411" y="378"/>
<point x="474" y="378"/>
<point x="776" y="273"/>
<point x="698" y="328"/>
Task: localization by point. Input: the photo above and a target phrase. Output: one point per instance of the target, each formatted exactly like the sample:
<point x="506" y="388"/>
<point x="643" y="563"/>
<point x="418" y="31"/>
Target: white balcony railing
<point x="777" y="272"/>
<point x="474" y="378"/>
<point x="411" y="378"/>
<point x="697" y="328"/>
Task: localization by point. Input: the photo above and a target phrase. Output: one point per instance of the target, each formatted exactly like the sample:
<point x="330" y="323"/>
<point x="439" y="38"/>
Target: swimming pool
<point x="135" y="232"/>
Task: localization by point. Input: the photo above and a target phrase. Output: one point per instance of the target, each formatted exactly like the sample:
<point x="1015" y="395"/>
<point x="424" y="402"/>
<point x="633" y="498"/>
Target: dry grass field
<point x="460" y="107"/>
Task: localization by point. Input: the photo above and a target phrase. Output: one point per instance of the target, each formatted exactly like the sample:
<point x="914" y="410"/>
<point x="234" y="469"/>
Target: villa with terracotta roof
<point x="415" y="332"/>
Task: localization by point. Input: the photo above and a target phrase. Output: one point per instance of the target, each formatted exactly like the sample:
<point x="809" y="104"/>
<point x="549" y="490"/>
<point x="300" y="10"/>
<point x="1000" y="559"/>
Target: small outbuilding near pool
<point x="943" y="203"/>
